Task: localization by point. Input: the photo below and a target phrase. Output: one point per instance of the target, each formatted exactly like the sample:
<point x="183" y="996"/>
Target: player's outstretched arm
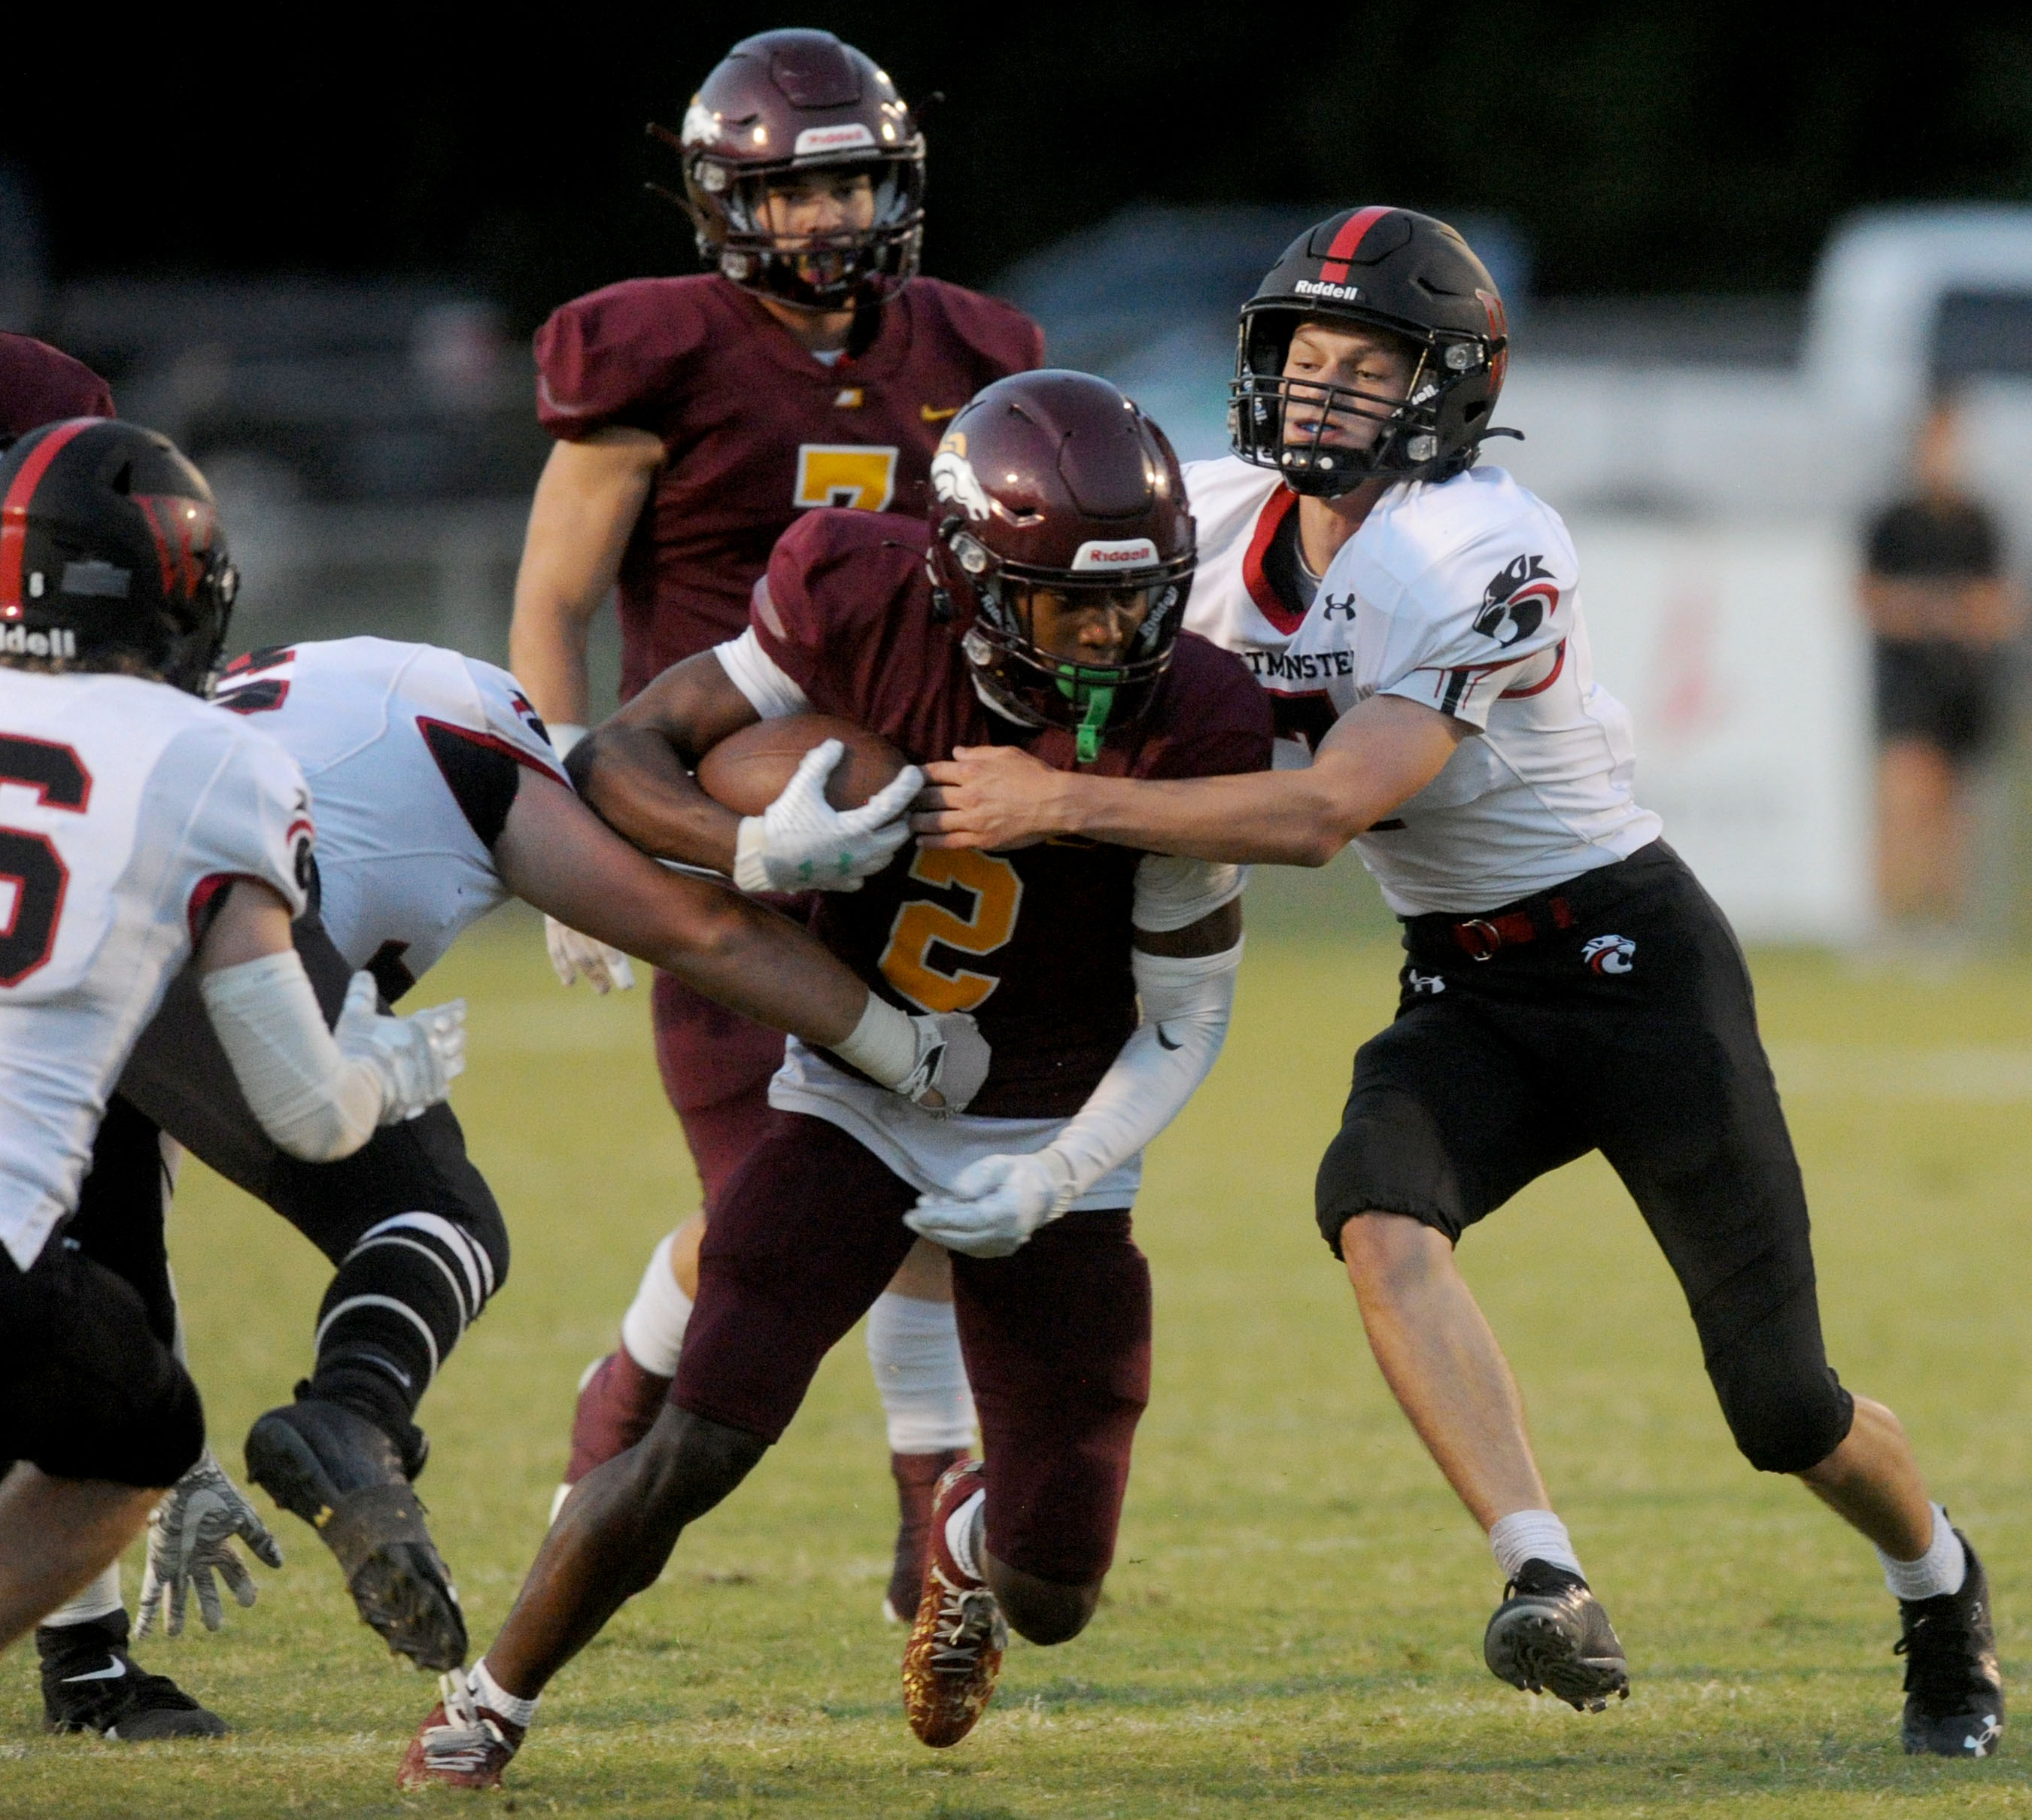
<point x="589" y="496"/>
<point x="320" y="1093"/>
<point x="554" y="853"/>
<point x="1381" y="751"/>
<point x="1185" y="981"/>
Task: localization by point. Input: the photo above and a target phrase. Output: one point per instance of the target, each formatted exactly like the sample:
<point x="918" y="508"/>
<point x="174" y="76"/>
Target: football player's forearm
<point x="547" y="642"/>
<point x="746" y="957"/>
<point x="1271" y="818"/>
<point x="634" y="781"/>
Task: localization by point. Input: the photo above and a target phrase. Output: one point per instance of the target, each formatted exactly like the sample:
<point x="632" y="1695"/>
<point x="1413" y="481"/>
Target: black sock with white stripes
<point x="402" y="1297"/>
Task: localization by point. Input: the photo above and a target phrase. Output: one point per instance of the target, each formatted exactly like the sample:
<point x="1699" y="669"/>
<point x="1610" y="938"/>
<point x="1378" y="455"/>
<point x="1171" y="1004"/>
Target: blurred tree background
<point x="1701" y="148"/>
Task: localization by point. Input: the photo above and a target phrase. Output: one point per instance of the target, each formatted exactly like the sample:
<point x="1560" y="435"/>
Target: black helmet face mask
<point x="875" y="218"/>
<point x="1327" y="438"/>
<point x="1021" y="647"/>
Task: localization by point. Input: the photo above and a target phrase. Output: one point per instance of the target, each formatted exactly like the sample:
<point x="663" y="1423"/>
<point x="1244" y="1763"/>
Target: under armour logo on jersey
<point x="1515" y="603"/>
<point x="1329" y="606"/>
<point x="1432" y="984"/>
<point x="1610" y="954"/>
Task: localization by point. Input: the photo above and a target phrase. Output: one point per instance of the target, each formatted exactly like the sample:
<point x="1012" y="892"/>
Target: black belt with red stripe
<point x="1551" y="912"/>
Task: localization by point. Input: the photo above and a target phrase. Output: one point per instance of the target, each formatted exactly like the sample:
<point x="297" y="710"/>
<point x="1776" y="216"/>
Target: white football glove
<point x="576" y="957"/>
<point x="417" y="1056"/>
<point x="190" y="1538"/>
<point x="802" y="842"/>
<point x="953" y="1060"/>
<point x="996" y="1203"/>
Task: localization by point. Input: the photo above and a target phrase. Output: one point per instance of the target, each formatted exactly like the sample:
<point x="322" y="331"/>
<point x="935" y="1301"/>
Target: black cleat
<point x="344" y="1476"/>
<point x="1954" y="1693"/>
<point x="90" y="1683"/>
<point x="1550" y="1635"/>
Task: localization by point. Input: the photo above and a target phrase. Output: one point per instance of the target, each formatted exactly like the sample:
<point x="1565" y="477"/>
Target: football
<point x="747" y="770"/>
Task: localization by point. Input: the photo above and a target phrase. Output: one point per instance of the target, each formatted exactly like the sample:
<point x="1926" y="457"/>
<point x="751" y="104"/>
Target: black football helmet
<point x="111" y="551"/>
<point x="1377" y="268"/>
<point x="778" y="105"/>
<point x="1054" y="480"/>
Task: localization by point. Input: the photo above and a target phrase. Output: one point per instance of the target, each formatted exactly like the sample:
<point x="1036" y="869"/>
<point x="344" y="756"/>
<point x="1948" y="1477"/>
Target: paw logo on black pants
<point x="1610" y="954"/>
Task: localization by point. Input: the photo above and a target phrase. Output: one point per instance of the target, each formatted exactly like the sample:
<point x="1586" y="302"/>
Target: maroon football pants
<point x="1056" y="1338"/>
<point x="715" y="1065"/>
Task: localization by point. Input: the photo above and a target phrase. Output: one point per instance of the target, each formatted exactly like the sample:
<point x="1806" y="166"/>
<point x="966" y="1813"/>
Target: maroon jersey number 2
<point x="921" y="926"/>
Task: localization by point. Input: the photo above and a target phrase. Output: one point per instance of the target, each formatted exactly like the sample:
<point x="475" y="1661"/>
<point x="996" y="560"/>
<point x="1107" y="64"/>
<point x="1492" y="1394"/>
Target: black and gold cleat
<point x="1551" y="1635"/>
<point x="344" y="1476"/>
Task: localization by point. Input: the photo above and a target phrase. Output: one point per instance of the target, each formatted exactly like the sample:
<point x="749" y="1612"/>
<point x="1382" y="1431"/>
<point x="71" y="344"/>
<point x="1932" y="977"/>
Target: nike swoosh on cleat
<point x="112" y="1671"/>
<point x="937" y="414"/>
<point x="1164" y="1042"/>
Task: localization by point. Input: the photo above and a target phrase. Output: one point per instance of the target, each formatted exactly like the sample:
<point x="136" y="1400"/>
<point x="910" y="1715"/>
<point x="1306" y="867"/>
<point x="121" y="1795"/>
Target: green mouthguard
<point x="1097" y="699"/>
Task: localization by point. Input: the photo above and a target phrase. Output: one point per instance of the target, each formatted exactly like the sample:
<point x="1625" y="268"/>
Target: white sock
<point x="496" y="1699"/>
<point x="653" y="1328"/>
<point x="913" y="1350"/>
<point x="99" y="1598"/>
<point x="1532" y="1535"/>
<point x="965" y="1531"/>
<point x="1941" y="1569"/>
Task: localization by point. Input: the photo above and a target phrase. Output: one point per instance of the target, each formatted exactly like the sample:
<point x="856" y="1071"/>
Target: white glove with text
<point x="190" y="1538"/>
<point x="416" y="1056"/>
<point x="802" y="842"/>
<point x="579" y="957"/>
<point x="996" y="1203"/>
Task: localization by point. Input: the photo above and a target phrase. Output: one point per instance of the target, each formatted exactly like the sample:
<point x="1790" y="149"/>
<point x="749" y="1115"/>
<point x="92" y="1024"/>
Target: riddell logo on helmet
<point x="19" y="641"/>
<point x="831" y="139"/>
<point x="1119" y="553"/>
<point x="1319" y="287"/>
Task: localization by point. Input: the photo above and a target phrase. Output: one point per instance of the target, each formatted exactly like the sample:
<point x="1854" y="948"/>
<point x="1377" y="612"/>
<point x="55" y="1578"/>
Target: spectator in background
<point x="1941" y="611"/>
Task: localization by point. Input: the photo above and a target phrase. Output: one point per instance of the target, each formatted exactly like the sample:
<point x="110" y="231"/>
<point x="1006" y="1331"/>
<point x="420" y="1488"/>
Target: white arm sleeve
<point x="314" y="1102"/>
<point x="1186" y="1003"/>
<point x="1174" y="894"/>
<point x="770" y="691"/>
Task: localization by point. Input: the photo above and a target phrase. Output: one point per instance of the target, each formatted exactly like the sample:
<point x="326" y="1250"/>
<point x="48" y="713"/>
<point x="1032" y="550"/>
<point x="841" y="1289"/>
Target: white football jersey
<point x="1238" y="507"/>
<point x="411" y="754"/>
<point x="1463" y="595"/>
<point x="125" y="806"/>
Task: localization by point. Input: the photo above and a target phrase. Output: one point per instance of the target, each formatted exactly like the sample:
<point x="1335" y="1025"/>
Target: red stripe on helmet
<point x="1353" y="231"/>
<point x="14" y="510"/>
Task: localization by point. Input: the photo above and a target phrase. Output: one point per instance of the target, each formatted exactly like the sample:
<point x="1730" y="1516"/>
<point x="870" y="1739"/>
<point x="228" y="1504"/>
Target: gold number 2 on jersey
<point x="997" y="894"/>
<point x="846" y="474"/>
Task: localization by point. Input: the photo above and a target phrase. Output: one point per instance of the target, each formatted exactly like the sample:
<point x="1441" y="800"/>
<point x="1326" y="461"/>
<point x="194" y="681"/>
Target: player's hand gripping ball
<point x="996" y="1203"/>
<point x="190" y="1538"/>
<point x="822" y="802"/>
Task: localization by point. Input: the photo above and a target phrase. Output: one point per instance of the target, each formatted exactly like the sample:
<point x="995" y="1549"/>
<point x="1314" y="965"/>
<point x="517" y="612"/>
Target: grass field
<point x="1293" y="1624"/>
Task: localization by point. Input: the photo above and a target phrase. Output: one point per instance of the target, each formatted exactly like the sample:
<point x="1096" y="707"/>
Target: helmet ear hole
<point x="123" y="482"/>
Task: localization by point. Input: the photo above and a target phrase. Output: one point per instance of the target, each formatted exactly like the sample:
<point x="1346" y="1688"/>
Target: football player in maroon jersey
<point x="696" y="418"/>
<point x="1060" y="552"/>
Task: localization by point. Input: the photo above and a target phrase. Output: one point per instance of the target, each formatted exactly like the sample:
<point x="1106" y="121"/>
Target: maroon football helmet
<point x="1053" y="482"/>
<point x="779" y="105"/>
<point x="110" y="551"/>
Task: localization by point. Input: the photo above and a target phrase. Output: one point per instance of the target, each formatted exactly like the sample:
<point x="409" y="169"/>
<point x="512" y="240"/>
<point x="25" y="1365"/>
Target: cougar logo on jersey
<point x="953" y="478"/>
<point x="1609" y="953"/>
<point x="1516" y="601"/>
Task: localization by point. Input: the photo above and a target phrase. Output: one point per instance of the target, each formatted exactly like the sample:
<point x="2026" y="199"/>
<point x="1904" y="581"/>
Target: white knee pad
<point x="913" y="1346"/>
<point x="653" y="1328"/>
